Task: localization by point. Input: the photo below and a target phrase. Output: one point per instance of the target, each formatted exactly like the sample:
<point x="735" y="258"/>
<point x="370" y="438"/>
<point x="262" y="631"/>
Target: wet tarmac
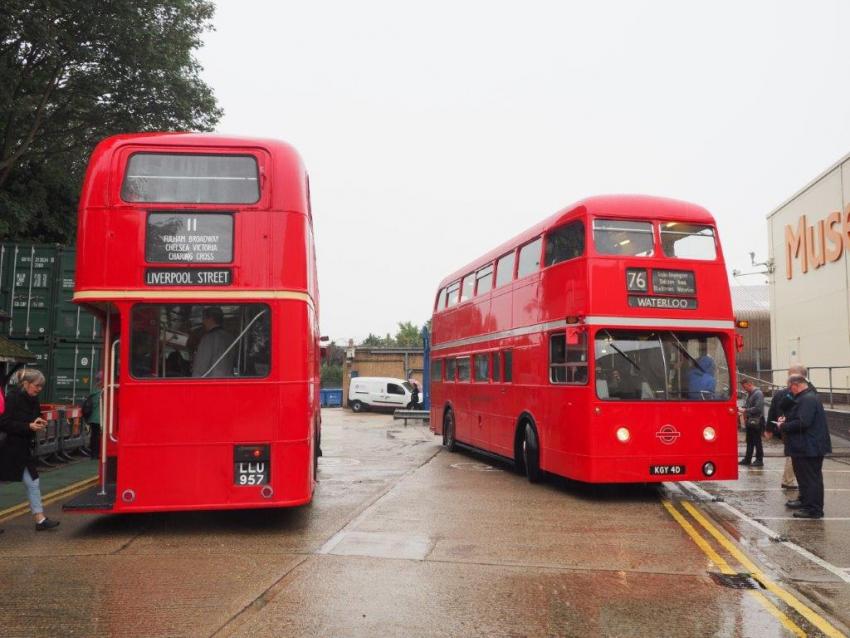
<point x="406" y="539"/>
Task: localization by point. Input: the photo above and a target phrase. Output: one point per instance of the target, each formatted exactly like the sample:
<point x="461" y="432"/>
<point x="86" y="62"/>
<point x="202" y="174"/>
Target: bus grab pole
<point x="100" y="408"/>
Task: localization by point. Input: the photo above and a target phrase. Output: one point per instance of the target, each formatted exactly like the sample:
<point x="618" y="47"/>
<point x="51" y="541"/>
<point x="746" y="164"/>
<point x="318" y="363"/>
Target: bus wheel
<point x="357" y="406"/>
<point x="531" y="454"/>
<point x="449" y="431"/>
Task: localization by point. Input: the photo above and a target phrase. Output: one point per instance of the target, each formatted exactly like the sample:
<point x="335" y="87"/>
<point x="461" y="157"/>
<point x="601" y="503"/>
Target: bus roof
<point x="620" y="206"/>
<point x="199" y="140"/>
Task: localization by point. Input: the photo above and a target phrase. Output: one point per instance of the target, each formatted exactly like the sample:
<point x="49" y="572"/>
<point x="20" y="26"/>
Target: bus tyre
<point x="531" y="454"/>
<point x="449" y="441"/>
<point x="357" y="406"/>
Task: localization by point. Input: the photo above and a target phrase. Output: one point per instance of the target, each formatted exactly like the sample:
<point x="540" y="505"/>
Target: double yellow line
<point x="803" y="610"/>
<point x="20" y="508"/>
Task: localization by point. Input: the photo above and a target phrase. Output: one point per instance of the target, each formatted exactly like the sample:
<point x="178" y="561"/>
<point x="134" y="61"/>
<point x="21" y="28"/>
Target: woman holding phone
<point x="21" y="420"/>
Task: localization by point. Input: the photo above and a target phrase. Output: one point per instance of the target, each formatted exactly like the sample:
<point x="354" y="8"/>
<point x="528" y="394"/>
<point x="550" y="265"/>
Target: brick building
<point x="367" y="361"/>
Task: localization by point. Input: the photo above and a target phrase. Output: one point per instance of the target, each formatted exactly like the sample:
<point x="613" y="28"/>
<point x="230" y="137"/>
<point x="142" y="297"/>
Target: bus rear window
<point x="619" y="237"/>
<point x="688" y="241"/>
<point x="196" y="179"/>
<point x="200" y="341"/>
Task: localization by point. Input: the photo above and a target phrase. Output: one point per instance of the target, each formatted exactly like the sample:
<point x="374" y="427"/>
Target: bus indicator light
<point x="708" y="468"/>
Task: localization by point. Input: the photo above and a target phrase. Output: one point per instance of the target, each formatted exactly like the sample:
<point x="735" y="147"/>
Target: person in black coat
<point x="21" y="420"/>
<point x="806" y="437"/>
<point x="753" y="413"/>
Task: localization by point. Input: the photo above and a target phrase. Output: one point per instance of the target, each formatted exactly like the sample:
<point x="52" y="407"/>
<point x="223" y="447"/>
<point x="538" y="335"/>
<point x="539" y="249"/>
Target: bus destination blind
<point x="672" y="289"/>
<point x="188" y="276"/>
<point x="189" y="238"/>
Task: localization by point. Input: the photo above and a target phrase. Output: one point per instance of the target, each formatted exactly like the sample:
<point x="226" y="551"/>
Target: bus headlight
<point x="623" y="435"/>
<point x="709" y="434"/>
<point x="708" y="468"/>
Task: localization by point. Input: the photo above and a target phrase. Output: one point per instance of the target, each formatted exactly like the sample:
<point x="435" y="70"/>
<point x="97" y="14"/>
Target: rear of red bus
<point x="197" y="254"/>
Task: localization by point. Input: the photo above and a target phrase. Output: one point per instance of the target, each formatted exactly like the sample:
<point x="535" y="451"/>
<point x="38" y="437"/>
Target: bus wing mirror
<point x="572" y="336"/>
<point x="739" y="343"/>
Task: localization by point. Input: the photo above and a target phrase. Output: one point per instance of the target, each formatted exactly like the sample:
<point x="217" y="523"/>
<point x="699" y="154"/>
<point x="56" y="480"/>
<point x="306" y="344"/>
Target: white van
<point x="378" y="392"/>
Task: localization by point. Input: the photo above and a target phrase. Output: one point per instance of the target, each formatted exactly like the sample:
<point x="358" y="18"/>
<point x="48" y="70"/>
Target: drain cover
<point x="735" y="581"/>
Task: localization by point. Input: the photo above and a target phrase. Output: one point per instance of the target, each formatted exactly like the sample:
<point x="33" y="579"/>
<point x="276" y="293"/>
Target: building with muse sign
<point x="809" y="239"/>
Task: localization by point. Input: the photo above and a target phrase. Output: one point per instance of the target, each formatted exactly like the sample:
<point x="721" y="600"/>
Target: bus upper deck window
<point x="194" y="179"/>
<point x="688" y="241"/>
<point x="564" y="243"/>
<point x="505" y="269"/>
<point x="620" y="237"/>
<point x="529" y="259"/>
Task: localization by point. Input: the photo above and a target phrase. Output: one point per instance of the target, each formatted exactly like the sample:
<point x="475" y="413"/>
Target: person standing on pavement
<point x="753" y="414"/>
<point x="781" y="404"/>
<point x="806" y="438"/>
<point x="21" y="420"/>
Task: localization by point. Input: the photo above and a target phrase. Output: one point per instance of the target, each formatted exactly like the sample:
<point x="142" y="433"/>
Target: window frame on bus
<point x="564" y="227"/>
<point x="436" y="367"/>
<point x="485" y="357"/>
<point x="449" y="290"/>
<point x="519" y="252"/>
<point x="566" y="365"/>
<point x="467" y="281"/>
<point x="511" y="275"/>
<point x="125" y="155"/>
<point x="507" y="365"/>
<point x="485" y="271"/>
<point x="451" y="362"/>
<point x="496" y="366"/>
<point x="653" y="233"/>
<point x="468" y="366"/>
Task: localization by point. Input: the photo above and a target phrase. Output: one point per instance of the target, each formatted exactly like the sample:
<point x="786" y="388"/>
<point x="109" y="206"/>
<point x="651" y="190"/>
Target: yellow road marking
<point x="20" y="508"/>
<point x="724" y="567"/>
<point x="806" y="612"/>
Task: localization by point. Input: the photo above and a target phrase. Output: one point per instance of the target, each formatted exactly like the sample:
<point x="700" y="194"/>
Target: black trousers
<point x="94" y="441"/>
<point x="754" y="442"/>
<point x="809" y="471"/>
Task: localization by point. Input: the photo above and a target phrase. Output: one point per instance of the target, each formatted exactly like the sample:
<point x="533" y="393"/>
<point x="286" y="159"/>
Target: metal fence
<point x="827" y="380"/>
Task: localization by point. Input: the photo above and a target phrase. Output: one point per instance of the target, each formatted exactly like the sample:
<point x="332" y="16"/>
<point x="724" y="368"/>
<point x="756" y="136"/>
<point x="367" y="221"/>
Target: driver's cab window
<point x="200" y="341"/>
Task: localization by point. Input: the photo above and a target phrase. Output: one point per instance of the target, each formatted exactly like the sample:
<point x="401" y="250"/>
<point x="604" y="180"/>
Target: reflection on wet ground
<point x="405" y="539"/>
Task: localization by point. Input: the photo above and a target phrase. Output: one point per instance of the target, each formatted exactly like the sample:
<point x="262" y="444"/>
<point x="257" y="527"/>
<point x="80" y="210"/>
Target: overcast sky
<point x="434" y="131"/>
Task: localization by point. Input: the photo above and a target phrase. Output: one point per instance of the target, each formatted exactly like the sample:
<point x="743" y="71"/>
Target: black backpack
<point x="88" y="407"/>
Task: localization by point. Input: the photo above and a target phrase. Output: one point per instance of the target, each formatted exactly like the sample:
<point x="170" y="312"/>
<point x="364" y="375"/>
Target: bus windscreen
<point x="660" y="366"/>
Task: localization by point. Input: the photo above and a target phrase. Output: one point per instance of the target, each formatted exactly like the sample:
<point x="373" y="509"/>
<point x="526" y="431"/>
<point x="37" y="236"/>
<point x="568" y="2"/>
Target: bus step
<point x="92" y="499"/>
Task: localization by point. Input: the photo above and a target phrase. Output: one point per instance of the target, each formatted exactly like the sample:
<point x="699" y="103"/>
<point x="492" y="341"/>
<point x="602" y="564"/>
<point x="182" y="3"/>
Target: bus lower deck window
<point x="568" y="361"/>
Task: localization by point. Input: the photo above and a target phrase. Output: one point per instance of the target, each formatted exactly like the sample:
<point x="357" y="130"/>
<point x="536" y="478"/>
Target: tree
<point x="73" y="72"/>
<point x="373" y="341"/>
<point x="408" y="335"/>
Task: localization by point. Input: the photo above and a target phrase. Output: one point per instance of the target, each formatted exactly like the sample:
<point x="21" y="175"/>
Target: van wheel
<point x="449" y="441"/>
<point x="357" y="406"/>
<point x="531" y="454"/>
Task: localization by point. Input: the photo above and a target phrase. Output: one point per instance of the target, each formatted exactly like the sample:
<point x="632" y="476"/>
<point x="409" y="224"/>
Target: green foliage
<point x="408" y="335"/>
<point x="73" y="72"/>
<point x="331" y="375"/>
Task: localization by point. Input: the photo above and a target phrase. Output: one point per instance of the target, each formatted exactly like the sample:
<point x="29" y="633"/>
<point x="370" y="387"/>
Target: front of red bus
<point x="663" y="357"/>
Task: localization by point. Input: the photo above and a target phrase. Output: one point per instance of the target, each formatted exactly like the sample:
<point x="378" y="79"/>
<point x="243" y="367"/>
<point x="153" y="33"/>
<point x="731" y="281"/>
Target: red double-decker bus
<point x="598" y="345"/>
<point x="197" y="253"/>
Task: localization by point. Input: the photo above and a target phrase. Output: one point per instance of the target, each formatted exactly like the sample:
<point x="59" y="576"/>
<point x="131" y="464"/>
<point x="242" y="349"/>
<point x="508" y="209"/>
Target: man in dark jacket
<point x="780" y="405"/>
<point x="753" y="413"/>
<point x="806" y="438"/>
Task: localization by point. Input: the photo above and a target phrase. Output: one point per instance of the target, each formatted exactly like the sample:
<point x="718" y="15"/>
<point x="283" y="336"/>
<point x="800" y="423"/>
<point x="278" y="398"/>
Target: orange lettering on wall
<point x="836" y="247"/>
<point x="794" y="246"/>
<point x="816" y="245"/>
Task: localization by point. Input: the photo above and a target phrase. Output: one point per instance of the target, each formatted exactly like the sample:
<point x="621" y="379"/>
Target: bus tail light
<point x="623" y="435"/>
<point x="708" y="468"/>
<point x="709" y="434"/>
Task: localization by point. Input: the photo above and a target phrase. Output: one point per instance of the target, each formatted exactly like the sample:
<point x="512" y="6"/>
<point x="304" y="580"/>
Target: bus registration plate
<point x="252" y="473"/>
<point x="666" y="470"/>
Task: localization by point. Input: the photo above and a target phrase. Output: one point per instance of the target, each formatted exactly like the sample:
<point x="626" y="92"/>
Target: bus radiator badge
<point x="667" y="434"/>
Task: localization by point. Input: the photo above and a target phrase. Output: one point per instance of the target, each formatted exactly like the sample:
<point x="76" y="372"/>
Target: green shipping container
<point x="72" y="323"/>
<point x="42" y="350"/>
<point x="27" y="288"/>
<point x="73" y="371"/>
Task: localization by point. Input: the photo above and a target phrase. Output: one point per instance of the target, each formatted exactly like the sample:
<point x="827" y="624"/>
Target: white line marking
<point x="817" y="560"/>
<point x="791" y="518"/>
